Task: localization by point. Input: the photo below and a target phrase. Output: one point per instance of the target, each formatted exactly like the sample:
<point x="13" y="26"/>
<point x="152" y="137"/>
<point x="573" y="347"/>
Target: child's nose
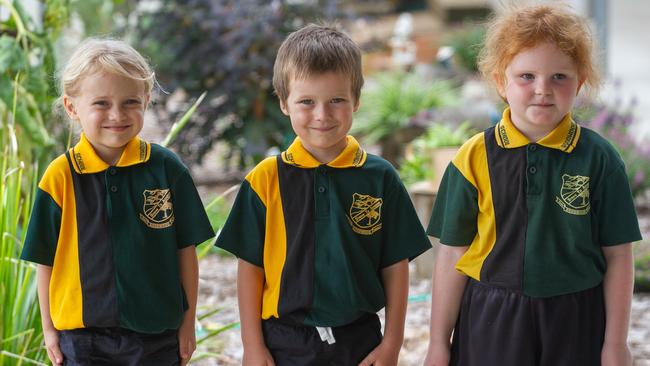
<point x="115" y="113"/>
<point x="322" y="111"/>
<point x="542" y="87"/>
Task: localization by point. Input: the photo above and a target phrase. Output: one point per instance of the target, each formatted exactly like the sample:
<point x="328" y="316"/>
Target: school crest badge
<point x="157" y="211"/>
<point x="365" y="214"/>
<point x="574" y="194"/>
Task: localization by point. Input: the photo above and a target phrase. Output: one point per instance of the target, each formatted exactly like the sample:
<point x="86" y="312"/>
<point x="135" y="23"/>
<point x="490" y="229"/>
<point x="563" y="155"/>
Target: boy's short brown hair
<point x="519" y="28"/>
<point x="316" y="49"/>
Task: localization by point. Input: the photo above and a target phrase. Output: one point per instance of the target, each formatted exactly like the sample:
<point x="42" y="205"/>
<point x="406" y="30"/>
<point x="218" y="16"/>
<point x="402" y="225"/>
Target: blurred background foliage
<point x="28" y="136"/>
<point x="226" y="48"/>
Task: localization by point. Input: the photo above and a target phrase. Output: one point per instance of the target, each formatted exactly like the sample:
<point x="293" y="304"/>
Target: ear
<point x="284" y="107"/>
<point x="500" y="84"/>
<point x="147" y="98"/>
<point x="357" y="103"/>
<point x="69" y="107"/>
<point x="580" y="84"/>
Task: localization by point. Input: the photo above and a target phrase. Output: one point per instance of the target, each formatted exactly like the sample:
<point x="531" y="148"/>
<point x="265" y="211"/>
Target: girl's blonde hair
<point x="108" y="55"/>
<point x="520" y="28"/>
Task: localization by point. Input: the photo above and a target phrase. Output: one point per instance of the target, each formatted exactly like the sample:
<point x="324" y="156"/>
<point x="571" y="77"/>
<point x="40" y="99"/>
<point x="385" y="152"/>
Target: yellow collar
<point x="564" y="136"/>
<point x="87" y="161"/>
<point x="352" y="156"/>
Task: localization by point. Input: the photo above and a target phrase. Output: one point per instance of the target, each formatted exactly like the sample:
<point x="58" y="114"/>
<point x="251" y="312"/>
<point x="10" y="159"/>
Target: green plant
<point x="389" y="110"/>
<point x="417" y="165"/>
<point x="642" y="273"/>
<point x="27" y="136"/>
<point x="467" y="42"/>
<point x="227" y="48"/>
<point x="443" y="135"/>
<point x="614" y="122"/>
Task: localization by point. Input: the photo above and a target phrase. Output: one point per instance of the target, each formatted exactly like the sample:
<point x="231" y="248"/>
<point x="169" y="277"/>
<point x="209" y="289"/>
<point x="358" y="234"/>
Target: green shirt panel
<point x="353" y="244"/>
<point x="577" y="203"/>
<point x="146" y="243"/>
<point x="43" y="230"/>
<point x="243" y="232"/>
<point x="455" y="211"/>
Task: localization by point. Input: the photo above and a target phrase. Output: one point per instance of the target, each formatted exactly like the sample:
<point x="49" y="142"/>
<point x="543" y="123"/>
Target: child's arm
<point x="396" y="283"/>
<point x="618" y="285"/>
<point x="447" y="286"/>
<point x="189" y="269"/>
<point x="250" y="282"/>
<point x="50" y="334"/>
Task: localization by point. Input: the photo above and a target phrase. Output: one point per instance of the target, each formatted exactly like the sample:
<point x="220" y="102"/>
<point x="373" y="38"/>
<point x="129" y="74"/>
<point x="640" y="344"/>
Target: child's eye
<point x="306" y="101"/>
<point x="559" y="76"/>
<point x="132" y="101"/>
<point x="100" y="103"/>
<point x="337" y="100"/>
<point x="527" y="76"/>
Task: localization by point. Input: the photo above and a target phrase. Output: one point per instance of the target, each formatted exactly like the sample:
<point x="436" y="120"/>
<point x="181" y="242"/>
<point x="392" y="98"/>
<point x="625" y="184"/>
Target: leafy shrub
<point x="26" y="66"/>
<point x="417" y="165"/>
<point x="227" y="48"/>
<point x="467" y="42"/>
<point x="614" y="123"/>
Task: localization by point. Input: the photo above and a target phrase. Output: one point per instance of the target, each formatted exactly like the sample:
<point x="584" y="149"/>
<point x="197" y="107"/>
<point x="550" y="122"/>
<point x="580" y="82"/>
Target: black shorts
<point x="293" y="344"/>
<point x="502" y="328"/>
<point x="118" y="346"/>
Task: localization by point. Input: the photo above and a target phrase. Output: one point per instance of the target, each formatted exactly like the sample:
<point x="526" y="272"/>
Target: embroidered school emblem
<point x="574" y="194"/>
<point x="158" y="212"/>
<point x="365" y="214"/>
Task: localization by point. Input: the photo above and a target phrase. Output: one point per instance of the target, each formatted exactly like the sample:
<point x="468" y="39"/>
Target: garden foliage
<point x="227" y="48"/>
<point x="27" y="137"/>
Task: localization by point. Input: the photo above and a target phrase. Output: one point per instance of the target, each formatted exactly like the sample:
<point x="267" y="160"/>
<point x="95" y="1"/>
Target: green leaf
<point x="12" y="57"/>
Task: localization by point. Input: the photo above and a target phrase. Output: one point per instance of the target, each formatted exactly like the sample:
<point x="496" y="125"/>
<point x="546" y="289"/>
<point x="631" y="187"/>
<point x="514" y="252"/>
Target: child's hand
<point x="51" y="338"/>
<point x="186" y="340"/>
<point x="257" y="356"/>
<point x="615" y="354"/>
<point x="437" y="355"/>
<point x="384" y="354"/>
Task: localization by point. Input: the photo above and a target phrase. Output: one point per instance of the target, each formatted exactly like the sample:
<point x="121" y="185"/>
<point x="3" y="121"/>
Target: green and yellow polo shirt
<point x="112" y="233"/>
<point x="323" y="233"/>
<point x="535" y="215"/>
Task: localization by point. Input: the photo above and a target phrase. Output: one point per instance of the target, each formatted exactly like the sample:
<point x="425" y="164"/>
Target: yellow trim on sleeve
<point x="264" y="181"/>
<point x="65" y="284"/>
<point x="472" y="163"/>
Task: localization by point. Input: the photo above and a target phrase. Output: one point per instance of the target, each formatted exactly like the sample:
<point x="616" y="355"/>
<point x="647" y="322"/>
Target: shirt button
<point x="112" y="171"/>
<point x="532" y="170"/>
<point x="532" y="147"/>
<point x="321" y="189"/>
<point x="113" y="189"/>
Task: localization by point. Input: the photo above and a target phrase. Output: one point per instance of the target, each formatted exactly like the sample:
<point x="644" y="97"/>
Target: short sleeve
<point x="404" y="236"/>
<point x="614" y="210"/>
<point x="190" y="219"/>
<point x="454" y="216"/>
<point x="43" y="230"/>
<point x="243" y="233"/>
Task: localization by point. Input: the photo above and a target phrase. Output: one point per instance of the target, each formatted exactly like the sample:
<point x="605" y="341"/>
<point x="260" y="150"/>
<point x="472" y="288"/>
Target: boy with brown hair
<point x="323" y="231"/>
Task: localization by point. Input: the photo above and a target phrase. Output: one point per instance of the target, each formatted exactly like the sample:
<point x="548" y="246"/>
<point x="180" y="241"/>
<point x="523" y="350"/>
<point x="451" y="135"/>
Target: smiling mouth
<point x="117" y="128"/>
<point x="323" y="129"/>
<point x="543" y="105"/>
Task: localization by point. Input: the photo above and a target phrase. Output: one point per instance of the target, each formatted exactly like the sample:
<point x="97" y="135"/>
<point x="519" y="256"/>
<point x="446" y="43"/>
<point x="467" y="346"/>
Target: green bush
<point x="417" y="165"/>
<point x="467" y="43"/>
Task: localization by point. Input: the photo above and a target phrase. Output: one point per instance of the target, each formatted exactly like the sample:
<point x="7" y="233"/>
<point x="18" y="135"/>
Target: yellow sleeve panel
<point x="264" y="181"/>
<point x="65" y="283"/>
<point x="472" y="163"/>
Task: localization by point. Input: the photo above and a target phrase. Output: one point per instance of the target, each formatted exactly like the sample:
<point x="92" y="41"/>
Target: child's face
<point x="110" y="109"/>
<point x="541" y="85"/>
<point x="320" y="108"/>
